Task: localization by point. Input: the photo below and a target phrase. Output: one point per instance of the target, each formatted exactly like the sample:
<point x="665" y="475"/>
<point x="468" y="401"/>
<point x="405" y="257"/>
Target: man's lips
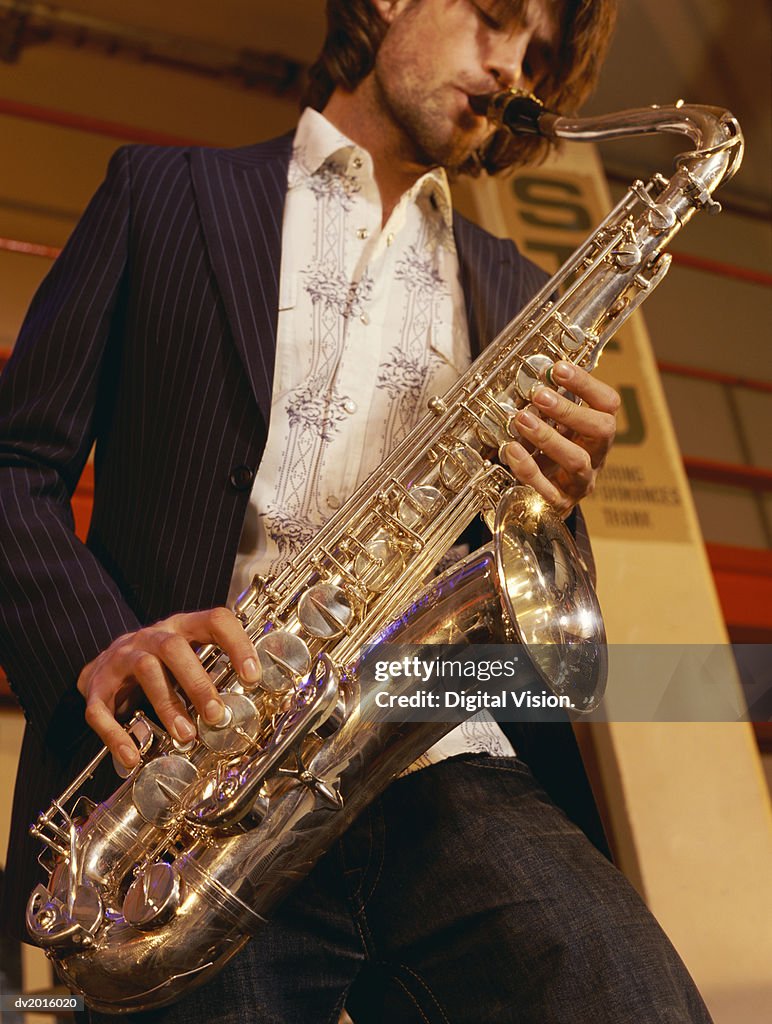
<point x="479" y="103"/>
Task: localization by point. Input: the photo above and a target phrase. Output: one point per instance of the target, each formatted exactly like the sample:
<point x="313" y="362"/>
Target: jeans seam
<point x="412" y="999"/>
<point x="352" y="897"/>
<point x="431" y="994"/>
<point x="340" y="1002"/>
<point x="362" y="927"/>
<point x="359" y="874"/>
<point x="365" y="899"/>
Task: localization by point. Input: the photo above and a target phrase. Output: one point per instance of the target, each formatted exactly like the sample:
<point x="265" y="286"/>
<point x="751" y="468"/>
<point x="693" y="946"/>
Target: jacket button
<point x="241" y="477"/>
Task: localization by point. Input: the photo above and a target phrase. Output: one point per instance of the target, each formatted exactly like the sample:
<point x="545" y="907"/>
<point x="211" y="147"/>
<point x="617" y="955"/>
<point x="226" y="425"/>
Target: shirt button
<point x="357" y="162"/>
<point x="241" y="478"/>
<point x="362" y="234"/>
<point x="333" y="501"/>
<point x="349" y="406"/>
<point x="390" y="238"/>
<point x="365" y="319"/>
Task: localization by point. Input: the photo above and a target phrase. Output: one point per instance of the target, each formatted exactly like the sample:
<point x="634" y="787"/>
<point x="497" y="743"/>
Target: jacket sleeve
<point x="58" y="606"/>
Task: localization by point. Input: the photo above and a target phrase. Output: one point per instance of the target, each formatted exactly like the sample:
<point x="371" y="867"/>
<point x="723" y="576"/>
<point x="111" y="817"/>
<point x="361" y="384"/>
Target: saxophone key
<point x="143" y="733"/>
<point x="532" y="374"/>
<point x="484" y="434"/>
<point x="325" y="610"/>
<point x="499" y="409"/>
<point x="380" y="561"/>
<point x="159" y="786"/>
<point x="419" y="505"/>
<point x="247" y="601"/>
<point x="282" y="658"/>
<point x="626" y="253"/>
<point x="572" y="336"/>
<point x="153" y="896"/>
<point x="395" y="525"/>
<point x="237" y="730"/>
<point x="458" y="465"/>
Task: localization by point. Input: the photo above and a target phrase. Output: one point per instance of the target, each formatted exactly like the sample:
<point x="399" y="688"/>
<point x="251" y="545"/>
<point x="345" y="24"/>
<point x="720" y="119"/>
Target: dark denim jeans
<point x="461" y="896"/>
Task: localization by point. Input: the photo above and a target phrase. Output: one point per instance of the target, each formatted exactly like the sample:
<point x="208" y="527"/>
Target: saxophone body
<point x="153" y="890"/>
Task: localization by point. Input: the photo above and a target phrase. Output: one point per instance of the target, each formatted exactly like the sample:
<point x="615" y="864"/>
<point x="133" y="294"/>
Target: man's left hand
<point x="575" y="448"/>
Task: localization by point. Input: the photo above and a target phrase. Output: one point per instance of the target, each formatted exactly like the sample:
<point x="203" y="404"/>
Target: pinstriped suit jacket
<point x="153" y="337"/>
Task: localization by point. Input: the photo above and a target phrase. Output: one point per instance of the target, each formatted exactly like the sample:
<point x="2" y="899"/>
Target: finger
<point x="574" y="464"/>
<point x="149" y="673"/>
<point x="100" y="718"/>
<point x="87" y="673"/>
<point x="528" y="471"/>
<point x="596" y="431"/>
<point x="572" y="458"/>
<point x="595" y="427"/>
<point x="594" y="392"/>
<point x="221" y="627"/>
<point x="173" y="650"/>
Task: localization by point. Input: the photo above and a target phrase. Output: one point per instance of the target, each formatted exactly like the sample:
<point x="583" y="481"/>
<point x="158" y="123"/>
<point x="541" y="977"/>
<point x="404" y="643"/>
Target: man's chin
<point x="449" y="149"/>
<point x="458" y="152"/>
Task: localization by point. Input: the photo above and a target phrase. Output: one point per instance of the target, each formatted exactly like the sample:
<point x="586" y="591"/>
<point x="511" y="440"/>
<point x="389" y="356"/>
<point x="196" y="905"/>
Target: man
<point x="462" y="894"/>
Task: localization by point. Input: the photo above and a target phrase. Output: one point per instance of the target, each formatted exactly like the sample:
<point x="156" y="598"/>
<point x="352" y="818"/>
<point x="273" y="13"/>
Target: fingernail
<point x="546" y="398"/>
<point x="562" y="372"/>
<point x="249" y="671"/>
<point x="214" y="711"/>
<point x="183" y="729"/>
<point x="527" y="419"/>
<point x="515" y="451"/>
<point x="127" y="754"/>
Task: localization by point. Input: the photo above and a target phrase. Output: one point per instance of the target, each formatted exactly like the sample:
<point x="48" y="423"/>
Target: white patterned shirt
<point x="371" y="324"/>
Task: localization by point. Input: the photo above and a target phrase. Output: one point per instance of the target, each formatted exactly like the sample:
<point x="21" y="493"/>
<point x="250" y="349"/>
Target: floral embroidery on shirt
<point x="401" y="376"/>
<point x="311" y="407"/>
<point x="330" y="182"/>
<point x="289" y="533"/>
<point x="327" y="283"/>
<point x="419" y="272"/>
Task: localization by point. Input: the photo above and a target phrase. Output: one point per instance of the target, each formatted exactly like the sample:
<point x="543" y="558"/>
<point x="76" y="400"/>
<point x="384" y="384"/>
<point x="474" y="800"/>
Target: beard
<point x="432" y="126"/>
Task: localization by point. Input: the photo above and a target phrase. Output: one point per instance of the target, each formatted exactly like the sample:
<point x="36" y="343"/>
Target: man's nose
<point x="506" y="59"/>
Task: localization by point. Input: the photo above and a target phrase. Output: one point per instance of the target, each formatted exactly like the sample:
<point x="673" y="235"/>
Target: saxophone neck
<point x="713" y="131"/>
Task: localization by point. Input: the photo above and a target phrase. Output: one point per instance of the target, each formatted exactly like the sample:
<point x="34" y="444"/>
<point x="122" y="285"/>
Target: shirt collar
<point x="319" y="142"/>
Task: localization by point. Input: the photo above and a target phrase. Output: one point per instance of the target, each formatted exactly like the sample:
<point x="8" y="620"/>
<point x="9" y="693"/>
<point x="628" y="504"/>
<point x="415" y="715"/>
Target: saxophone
<point x="154" y="890"/>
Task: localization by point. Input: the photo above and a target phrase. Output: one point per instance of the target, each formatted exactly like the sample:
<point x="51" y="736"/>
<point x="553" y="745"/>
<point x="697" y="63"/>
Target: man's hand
<point x="575" y="449"/>
<point x="154" y="659"/>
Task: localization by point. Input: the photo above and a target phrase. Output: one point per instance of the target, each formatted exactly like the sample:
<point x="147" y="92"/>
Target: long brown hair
<point x="355" y="30"/>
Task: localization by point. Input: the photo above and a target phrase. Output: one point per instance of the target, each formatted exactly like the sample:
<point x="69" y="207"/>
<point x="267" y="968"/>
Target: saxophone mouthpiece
<point x="515" y="109"/>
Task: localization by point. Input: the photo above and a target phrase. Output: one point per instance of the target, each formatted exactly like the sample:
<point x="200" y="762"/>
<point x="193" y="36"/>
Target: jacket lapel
<point x="240" y="195"/>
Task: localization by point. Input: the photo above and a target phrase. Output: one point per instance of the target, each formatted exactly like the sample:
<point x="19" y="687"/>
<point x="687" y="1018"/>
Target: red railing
<point x="93" y="125"/>
<point x="49" y="252"/>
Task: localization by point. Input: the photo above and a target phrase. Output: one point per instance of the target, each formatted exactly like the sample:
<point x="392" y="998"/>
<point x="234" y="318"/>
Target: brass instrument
<point x="152" y="891"/>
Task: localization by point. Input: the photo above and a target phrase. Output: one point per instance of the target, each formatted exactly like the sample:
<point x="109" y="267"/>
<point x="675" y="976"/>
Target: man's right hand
<point x="155" y="660"/>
